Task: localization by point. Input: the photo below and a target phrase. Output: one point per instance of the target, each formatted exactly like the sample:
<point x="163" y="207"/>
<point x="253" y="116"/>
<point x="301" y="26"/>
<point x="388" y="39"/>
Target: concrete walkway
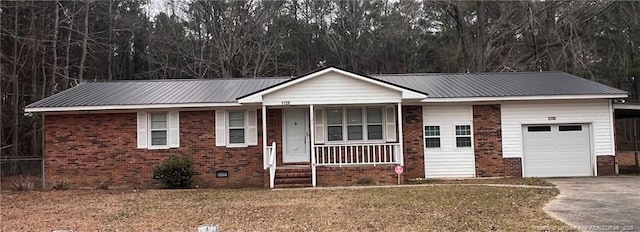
<point x="597" y="203"/>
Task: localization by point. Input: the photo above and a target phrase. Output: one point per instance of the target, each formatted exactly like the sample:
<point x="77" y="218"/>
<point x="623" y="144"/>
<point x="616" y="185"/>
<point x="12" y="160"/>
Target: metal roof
<point x="168" y="91"/>
<point x="463" y="85"/>
<point x="436" y="85"/>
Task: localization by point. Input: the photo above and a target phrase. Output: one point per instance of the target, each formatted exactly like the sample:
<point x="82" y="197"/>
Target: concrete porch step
<point x="286" y="181"/>
<point x="294" y="185"/>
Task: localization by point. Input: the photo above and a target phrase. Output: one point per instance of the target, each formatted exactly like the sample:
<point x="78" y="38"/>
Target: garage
<point x="556" y="150"/>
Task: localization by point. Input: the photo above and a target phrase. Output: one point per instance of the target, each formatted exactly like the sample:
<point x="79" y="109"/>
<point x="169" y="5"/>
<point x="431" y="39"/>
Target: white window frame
<point x="439" y="136"/>
<point x="364" y="124"/>
<point x="228" y="128"/>
<point x="150" y="130"/>
<point x="381" y="123"/>
<point x="456" y="135"/>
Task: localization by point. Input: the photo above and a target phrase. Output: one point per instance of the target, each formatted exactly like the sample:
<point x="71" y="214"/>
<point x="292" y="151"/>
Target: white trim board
<point x="524" y="98"/>
<point x="406" y="93"/>
<point x="128" y="107"/>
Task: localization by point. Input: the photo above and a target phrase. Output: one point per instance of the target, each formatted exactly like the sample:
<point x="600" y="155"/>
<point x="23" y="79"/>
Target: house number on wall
<point x="285" y="103"/>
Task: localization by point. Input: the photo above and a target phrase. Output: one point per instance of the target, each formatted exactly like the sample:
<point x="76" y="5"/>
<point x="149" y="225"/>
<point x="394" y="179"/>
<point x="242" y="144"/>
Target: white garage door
<point x="556" y="150"/>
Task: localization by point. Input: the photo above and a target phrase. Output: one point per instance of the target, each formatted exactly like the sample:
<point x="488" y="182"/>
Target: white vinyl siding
<point x="332" y="89"/>
<point x="597" y="113"/>
<point x="449" y="160"/>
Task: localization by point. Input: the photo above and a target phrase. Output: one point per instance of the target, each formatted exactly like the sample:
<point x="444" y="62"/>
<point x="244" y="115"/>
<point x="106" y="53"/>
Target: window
<point x="463" y="135"/>
<point x="334" y="124"/>
<point x="158" y="129"/>
<point x="354" y="124"/>
<point x="570" y="128"/>
<point x="236" y="127"/>
<point x="374" y="123"/>
<point x="432" y="136"/>
<point x="361" y="123"/>
<point x="538" y="128"/>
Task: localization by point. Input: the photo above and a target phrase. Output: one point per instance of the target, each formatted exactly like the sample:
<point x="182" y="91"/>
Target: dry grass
<point x="507" y="181"/>
<point x="424" y="208"/>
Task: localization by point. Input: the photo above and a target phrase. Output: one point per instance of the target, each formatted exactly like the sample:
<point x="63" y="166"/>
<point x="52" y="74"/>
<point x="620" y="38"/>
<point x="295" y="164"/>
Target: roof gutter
<point x="127" y="107"/>
<point x="525" y="98"/>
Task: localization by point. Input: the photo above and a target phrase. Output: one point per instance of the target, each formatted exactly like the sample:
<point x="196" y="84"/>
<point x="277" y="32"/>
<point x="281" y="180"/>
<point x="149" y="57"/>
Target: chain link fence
<point x="15" y="169"/>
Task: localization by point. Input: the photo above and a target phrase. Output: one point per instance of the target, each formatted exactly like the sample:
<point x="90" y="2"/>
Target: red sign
<point x="399" y="170"/>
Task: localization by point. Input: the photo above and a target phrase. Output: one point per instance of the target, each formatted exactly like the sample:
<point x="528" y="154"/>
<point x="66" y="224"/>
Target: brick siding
<point x="513" y="167"/>
<point x="413" y="142"/>
<point x="487" y="132"/>
<point x="88" y="149"/>
<point x="381" y="174"/>
<point x="606" y="165"/>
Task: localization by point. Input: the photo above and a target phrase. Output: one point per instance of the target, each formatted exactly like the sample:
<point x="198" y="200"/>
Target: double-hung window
<point x="463" y="135"/>
<point x="158" y="129"/>
<point x="354" y="124"/>
<point x="334" y="124"/>
<point x="374" y="123"/>
<point x="236" y="127"/>
<point x="432" y="136"/>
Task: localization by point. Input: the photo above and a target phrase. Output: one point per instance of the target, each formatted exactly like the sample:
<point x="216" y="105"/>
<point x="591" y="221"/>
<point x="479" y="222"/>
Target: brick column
<point x="412" y="141"/>
<point x="487" y="132"/>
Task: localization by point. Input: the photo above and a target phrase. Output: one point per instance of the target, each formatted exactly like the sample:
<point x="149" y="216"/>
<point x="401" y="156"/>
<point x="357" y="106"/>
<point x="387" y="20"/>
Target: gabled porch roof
<point x="340" y="77"/>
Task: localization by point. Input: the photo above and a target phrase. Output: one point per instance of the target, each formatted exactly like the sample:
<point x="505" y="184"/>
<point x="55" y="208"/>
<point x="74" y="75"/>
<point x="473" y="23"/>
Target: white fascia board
<point x="524" y="98"/>
<point x="128" y="107"/>
<point x="257" y="97"/>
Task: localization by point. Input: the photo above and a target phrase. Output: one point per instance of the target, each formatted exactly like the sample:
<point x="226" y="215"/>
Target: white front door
<point x="295" y="138"/>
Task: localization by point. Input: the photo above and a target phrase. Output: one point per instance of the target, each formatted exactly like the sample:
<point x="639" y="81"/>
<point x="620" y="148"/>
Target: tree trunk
<point x="482" y="40"/>
<point x="85" y="37"/>
<point x="14" y="75"/>
<point x="54" y="52"/>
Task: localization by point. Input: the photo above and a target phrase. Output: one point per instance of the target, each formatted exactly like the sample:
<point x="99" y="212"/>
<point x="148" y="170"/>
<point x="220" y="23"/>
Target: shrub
<point x="175" y="172"/>
<point x="23" y="183"/>
<point x="61" y="185"/>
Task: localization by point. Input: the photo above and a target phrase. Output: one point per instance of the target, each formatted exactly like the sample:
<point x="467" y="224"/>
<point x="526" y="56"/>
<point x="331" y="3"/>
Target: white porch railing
<point x="270" y="162"/>
<point x="357" y="154"/>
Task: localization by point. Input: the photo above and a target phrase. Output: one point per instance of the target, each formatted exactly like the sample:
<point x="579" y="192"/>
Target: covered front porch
<point x="330" y="142"/>
<point x="332" y="119"/>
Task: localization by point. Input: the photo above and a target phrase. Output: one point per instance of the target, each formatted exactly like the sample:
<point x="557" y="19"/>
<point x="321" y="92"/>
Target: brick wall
<point x="626" y="158"/>
<point x="487" y="132"/>
<point x="88" y="149"/>
<point x="513" y="167"/>
<point x="381" y="174"/>
<point x="606" y="165"/>
<point x="413" y="142"/>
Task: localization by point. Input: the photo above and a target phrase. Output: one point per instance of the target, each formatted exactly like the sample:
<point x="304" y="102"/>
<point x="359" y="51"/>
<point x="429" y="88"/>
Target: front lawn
<point x="504" y="181"/>
<point x="438" y="208"/>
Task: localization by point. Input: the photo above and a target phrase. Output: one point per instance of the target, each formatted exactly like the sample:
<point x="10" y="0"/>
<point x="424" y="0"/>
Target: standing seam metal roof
<point x="436" y="85"/>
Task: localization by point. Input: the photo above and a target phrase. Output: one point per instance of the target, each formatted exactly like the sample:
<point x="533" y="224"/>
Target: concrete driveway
<point x="597" y="203"/>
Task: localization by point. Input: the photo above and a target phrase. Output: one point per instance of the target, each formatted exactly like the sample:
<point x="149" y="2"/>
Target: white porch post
<point x="264" y="135"/>
<point x="312" y="137"/>
<point x="400" y="139"/>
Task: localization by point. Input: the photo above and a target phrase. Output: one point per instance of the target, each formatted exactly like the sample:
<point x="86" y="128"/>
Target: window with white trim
<point x="158" y="129"/>
<point x="353" y="124"/>
<point x="236" y="127"/>
<point x="463" y="135"/>
<point x="432" y="136"/>
<point x="334" y="125"/>
<point x="374" y="123"/>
